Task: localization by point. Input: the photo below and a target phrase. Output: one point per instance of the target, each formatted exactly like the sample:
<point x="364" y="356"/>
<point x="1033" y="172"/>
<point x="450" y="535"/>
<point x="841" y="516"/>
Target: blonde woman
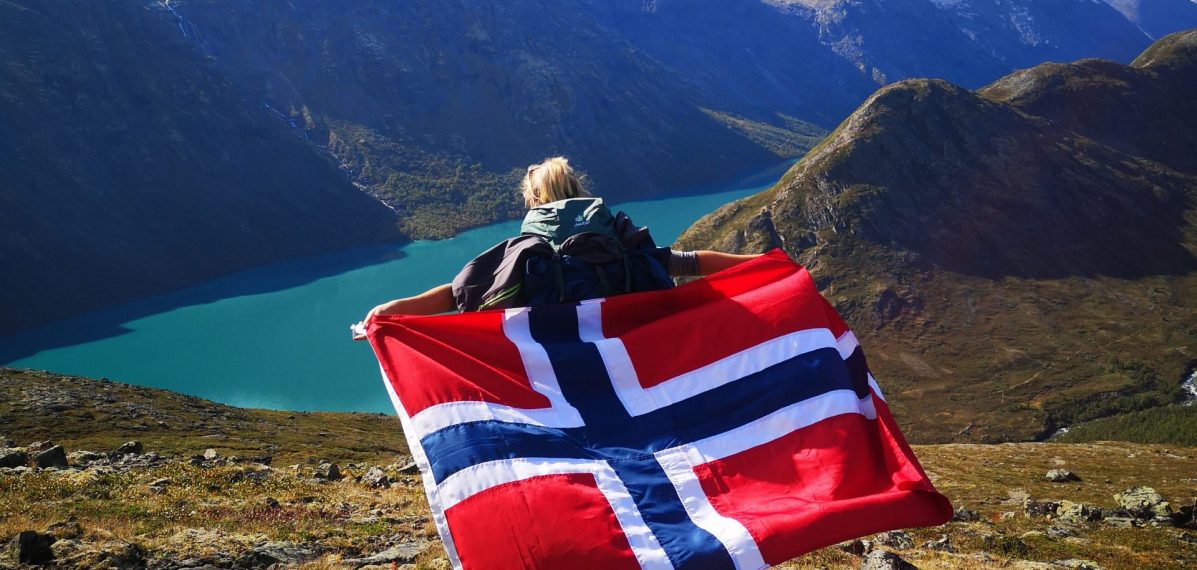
<point x="571" y="247"/>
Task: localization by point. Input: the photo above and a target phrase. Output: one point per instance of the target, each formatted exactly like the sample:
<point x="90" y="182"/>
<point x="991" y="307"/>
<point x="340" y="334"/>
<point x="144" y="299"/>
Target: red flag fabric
<point x="731" y="422"/>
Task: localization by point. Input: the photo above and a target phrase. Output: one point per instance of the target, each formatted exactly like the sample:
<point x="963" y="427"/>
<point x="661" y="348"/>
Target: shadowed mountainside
<point x="152" y="144"/>
<point x="130" y="168"/>
<point x="1013" y="259"/>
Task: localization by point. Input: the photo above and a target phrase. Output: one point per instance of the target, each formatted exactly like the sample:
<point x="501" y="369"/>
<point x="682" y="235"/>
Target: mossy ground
<point x="346" y="519"/>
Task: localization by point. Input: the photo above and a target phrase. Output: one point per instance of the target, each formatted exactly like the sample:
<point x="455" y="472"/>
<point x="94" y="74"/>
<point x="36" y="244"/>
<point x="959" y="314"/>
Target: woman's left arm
<point x="431" y="302"/>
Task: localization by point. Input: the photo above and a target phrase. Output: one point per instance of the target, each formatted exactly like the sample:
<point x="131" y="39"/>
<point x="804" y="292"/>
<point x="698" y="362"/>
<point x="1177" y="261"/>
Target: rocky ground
<point x="239" y="492"/>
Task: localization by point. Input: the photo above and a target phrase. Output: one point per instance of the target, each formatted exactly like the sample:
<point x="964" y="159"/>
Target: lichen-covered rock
<point x="1144" y="503"/>
<point x="883" y="560"/>
<point x="376" y="478"/>
<point x="894" y="539"/>
<point x="965" y="515"/>
<point x="1078" y="512"/>
<point x="405" y="553"/>
<point x="328" y="472"/>
<point x="1033" y="508"/>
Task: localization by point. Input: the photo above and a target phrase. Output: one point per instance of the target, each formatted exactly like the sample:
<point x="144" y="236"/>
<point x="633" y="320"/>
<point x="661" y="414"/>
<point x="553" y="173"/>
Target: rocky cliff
<point x="1016" y="259"/>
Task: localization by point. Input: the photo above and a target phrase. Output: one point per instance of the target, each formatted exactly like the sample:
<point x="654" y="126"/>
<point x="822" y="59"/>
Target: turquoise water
<point x="277" y="336"/>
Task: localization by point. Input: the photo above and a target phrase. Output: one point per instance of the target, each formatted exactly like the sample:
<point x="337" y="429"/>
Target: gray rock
<point x="882" y="560"/>
<point x="85" y="457"/>
<point x="1144" y="503"/>
<point x="1078" y="564"/>
<point x="942" y="544"/>
<point x="1062" y="476"/>
<point x="1121" y="522"/>
<point x="34" y="547"/>
<point x="964" y="515"/>
<point x="52" y="457"/>
<point x="1078" y="512"/>
<point x="13" y="458"/>
<point x="286" y="553"/>
<point x="409" y="467"/>
<point x="405" y="553"/>
<point x="39" y="446"/>
<point x="1058" y="532"/>
<point x="1033" y="508"/>
<point x="67" y="529"/>
<point x="130" y="448"/>
<point x="376" y="478"/>
<point x="210" y="454"/>
<point x="328" y="472"/>
<point x="855" y="547"/>
<point x="894" y="539"/>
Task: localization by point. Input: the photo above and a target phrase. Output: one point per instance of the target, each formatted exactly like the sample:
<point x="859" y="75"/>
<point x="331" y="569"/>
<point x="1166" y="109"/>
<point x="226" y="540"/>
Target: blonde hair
<point x="550" y="181"/>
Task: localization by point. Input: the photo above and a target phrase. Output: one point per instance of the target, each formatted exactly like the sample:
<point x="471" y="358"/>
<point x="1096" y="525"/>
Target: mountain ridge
<point x="981" y="249"/>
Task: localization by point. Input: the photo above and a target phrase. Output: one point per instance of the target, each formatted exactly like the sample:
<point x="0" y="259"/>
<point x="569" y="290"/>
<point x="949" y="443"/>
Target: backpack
<point x="568" y="251"/>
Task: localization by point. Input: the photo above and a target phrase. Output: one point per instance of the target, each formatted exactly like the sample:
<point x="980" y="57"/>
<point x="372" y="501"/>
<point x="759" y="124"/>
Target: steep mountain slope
<point x="431" y="107"/>
<point x="1158" y="18"/>
<point x="407" y="94"/>
<point x="1014" y="259"/>
<point x="128" y="167"/>
<point x="133" y="126"/>
<point x="968" y="42"/>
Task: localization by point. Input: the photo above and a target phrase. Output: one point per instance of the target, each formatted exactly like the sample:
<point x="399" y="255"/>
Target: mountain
<point x="129" y="167"/>
<point x="1016" y="259"/>
<point x="152" y="144"/>
<point x="1158" y="18"/>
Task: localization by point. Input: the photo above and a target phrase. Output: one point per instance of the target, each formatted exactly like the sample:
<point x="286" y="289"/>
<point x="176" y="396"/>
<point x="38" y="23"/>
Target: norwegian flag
<point x="731" y="422"/>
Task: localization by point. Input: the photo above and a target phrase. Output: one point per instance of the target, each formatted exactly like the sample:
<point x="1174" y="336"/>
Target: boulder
<point x="1121" y="522"/>
<point x="895" y="539"/>
<point x="1144" y="503"/>
<point x="68" y="529"/>
<point x="34" y="547"/>
<point x="13" y="458"/>
<point x="964" y="515"/>
<point x="855" y="547"/>
<point x="85" y="457"/>
<point x="376" y="478"/>
<point x="210" y="454"/>
<point x="1078" y="512"/>
<point x="1077" y="564"/>
<point x="408" y="467"/>
<point x="883" y="560"/>
<point x="271" y="553"/>
<point x="1033" y="508"/>
<point x="52" y="457"/>
<point x="1062" y="476"/>
<point x="404" y="553"/>
<point x="328" y="472"/>
<point x="130" y="448"/>
<point x="942" y="544"/>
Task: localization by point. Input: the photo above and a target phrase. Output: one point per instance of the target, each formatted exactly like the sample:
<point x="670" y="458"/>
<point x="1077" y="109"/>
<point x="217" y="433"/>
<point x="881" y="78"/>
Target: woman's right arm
<point x="703" y="262"/>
